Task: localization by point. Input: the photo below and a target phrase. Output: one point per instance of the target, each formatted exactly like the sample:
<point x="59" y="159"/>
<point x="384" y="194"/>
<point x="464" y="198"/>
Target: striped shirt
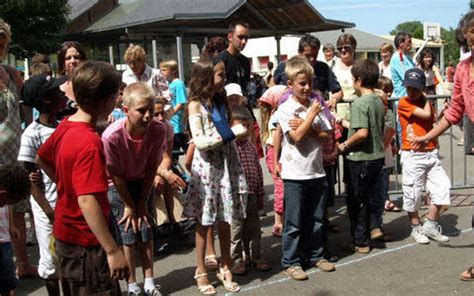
<point x="32" y="139"/>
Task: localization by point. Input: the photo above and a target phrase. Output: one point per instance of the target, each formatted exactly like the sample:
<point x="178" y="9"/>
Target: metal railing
<point x="396" y="188"/>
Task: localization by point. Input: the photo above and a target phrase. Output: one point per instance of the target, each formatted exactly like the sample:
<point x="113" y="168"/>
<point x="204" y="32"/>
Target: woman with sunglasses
<point x="346" y="45"/>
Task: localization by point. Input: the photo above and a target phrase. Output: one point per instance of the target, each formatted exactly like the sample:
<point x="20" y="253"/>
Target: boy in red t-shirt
<point x="73" y="157"/>
<point x="421" y="164"/>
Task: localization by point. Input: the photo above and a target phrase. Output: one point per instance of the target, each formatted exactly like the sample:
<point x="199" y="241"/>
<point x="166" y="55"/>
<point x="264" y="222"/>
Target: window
<point x="263" y="61"/>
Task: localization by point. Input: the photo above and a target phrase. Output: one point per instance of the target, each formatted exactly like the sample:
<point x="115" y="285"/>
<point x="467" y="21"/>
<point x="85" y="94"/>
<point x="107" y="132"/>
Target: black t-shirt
<point x="324" y="78"/>
<point x="237" y="69"/>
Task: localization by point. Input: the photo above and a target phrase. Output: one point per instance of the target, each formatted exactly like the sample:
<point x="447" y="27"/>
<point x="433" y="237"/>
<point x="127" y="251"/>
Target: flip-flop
<point x="468" y="275"/>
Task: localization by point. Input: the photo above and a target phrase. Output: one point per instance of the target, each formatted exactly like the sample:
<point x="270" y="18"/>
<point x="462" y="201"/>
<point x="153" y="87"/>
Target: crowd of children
<point x="93" y="194"/>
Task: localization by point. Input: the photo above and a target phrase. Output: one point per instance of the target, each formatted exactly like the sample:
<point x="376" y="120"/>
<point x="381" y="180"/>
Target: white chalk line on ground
<point x="350" y="262"/>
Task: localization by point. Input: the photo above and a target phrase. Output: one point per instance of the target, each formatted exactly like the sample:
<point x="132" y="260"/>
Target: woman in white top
<point x="346" y="45"/>
<point x="426" y="62"/>
<point x="386" y="51"/>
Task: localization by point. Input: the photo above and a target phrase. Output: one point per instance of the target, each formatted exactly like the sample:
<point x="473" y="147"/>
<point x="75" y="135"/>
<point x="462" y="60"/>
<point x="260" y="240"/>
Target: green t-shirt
<point x="368" y="112"/>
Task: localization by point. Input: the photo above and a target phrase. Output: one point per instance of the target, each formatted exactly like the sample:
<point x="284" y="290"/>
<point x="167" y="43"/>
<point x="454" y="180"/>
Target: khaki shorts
<point x="85" y="271"/>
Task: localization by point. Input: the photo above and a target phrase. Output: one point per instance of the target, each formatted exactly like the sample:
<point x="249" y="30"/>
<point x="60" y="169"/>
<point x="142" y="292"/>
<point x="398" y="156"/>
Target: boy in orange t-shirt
<point x="421" y="164"/>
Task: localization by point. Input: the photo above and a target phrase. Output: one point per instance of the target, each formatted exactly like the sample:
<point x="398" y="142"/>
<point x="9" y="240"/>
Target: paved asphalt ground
<point x="400" y="267"/>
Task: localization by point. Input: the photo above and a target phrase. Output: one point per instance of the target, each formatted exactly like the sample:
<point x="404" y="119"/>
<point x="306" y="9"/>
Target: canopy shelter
<point x="196" y="20"/>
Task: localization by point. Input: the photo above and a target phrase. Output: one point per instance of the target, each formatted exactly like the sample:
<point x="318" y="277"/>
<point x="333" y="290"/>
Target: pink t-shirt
<point x="462" y="100"/>
<point x="123" y="160"/>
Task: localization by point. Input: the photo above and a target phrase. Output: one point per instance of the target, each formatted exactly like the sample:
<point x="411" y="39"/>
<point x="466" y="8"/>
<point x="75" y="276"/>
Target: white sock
<point x="431" y="223"/>
<point x="133" y="287"/>
<point x="149" y="284"/>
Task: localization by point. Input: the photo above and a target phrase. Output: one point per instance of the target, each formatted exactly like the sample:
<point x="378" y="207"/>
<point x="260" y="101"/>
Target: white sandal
<point x="205" y="289"/>
<point x="228" y="286"/>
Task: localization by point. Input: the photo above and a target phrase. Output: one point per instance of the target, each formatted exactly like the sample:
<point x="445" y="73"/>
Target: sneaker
<point x="154" y="292"/>
<point x="376" y="233"/>
<point x="418" y="236"/>
<point x="325" y="265"/>
<point x="136" y="292"/>
<point x="362" y="250"/>
<point x="296" y="273"/>
<point x="433" y="230"/>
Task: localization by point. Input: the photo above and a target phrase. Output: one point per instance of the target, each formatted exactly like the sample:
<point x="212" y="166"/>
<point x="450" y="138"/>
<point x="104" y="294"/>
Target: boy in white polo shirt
<point x="303" y="174"/>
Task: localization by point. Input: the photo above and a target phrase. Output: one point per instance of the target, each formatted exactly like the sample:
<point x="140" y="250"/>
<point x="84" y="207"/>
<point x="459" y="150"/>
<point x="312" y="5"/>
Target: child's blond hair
<point x="170" y="64"/>
<point x="296" y="66"/>
<point x="137" y="91"/>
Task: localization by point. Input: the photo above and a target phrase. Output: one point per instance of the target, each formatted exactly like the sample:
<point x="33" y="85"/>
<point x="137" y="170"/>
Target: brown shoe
<point x="325" y="265"/>
<point x="362" y="250"/>
<point x="296" y="273"/>
<point x="376" y="233"/>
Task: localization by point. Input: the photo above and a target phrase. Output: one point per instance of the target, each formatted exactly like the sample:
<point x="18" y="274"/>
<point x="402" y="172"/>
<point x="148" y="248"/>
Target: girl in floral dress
<point x="217" y="189"/>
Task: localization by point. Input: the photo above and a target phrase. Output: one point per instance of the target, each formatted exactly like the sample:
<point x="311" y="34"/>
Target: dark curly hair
<point x="15" y="180"/>
<point x="213" y="47"/>
<point x="463" y="25"/>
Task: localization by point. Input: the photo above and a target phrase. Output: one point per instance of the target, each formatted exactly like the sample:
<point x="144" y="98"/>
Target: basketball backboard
<point x="431" y="31"/>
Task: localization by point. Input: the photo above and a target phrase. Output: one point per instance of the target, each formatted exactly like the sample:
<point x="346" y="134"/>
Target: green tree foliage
<point x="415" y="29"/>
<point x="451" y="47"/>
<point x="36" y="25"/>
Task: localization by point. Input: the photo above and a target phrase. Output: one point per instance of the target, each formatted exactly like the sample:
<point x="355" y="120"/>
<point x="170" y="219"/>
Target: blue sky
<point x="382" y="16"/>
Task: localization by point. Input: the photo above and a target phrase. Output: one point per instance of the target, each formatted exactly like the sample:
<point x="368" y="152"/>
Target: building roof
<point x="78" y="7"/>
<point x="366" y="41"/>
<point x="206" y="17"/>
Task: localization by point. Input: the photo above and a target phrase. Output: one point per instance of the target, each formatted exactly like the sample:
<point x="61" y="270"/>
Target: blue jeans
<point x="8" y="279"/>
<point x="362" y="194"/>
<point x="303" y="232"/>
<point x="380" y="195"/>
<point x="331" y="179"/>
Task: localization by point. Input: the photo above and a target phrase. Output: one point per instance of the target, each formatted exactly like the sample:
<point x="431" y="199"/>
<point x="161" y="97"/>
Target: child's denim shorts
<point x="117" y="208"/>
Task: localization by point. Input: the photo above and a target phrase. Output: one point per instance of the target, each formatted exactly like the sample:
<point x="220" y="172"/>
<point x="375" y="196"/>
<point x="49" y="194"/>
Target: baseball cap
<point x="36" y="87"/>
<point x="415" y="78"/>
<point x="233" y="89"/>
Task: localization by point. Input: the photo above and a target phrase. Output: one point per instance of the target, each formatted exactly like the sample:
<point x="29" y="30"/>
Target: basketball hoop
<point x="432" y="31"/>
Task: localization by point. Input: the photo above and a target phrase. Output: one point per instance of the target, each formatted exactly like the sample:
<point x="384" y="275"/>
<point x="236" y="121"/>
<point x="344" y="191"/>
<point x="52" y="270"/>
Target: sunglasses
<point x="345" y="47"/>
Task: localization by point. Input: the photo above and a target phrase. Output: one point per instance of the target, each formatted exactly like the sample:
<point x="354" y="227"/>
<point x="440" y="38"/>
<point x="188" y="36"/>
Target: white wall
<point x="267" y="46"/>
